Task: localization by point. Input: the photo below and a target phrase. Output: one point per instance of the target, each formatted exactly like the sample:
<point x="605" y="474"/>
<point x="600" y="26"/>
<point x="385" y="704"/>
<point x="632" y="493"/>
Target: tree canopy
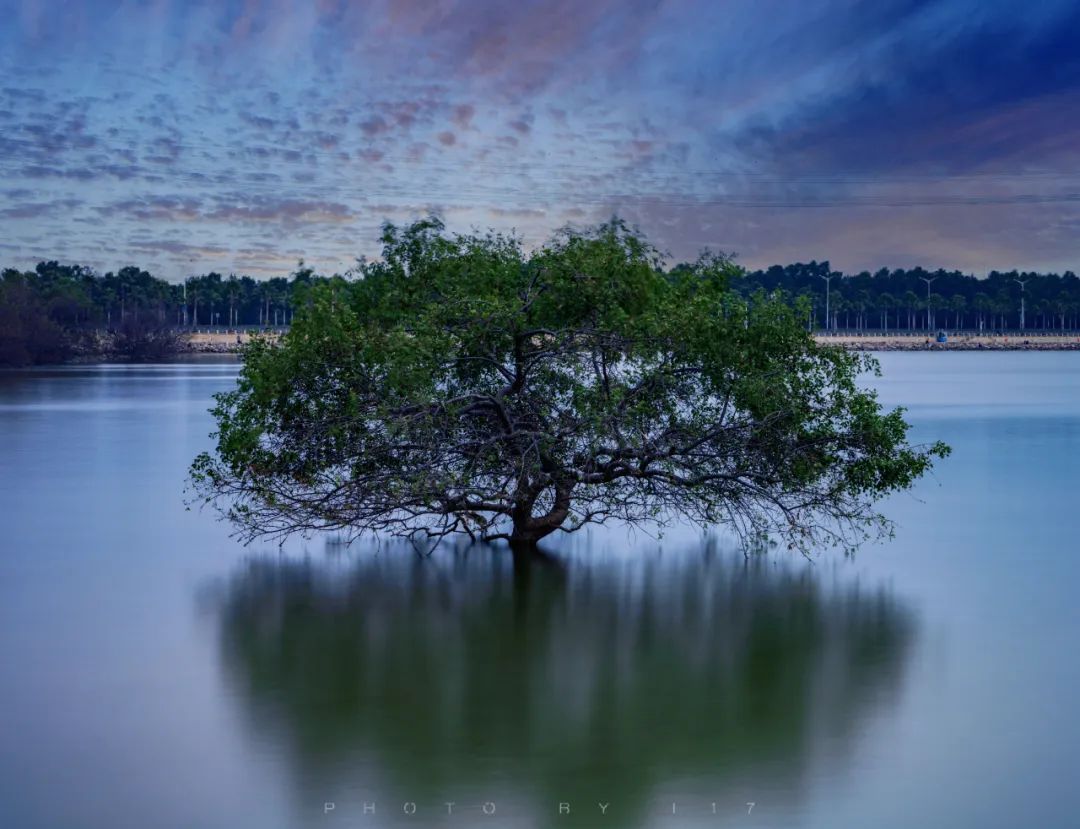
<point x="913" y="299"/>
<point x="55" y="311"/>
<point x="463" y="384"/>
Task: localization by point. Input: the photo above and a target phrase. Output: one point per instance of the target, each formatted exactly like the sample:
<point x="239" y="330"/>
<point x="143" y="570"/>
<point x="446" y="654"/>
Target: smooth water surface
<point x="155" y="673"/>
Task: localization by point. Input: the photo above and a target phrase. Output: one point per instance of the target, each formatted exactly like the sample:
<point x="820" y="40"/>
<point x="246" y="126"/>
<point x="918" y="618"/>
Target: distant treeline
<point x="56" y="311"/>
<point x="917" y="299"/>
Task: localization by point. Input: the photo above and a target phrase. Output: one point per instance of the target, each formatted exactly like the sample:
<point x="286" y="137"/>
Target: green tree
<point x="27" y="334"/>
<point x="958" y="305"/>
<point x="983" y="306"/>
<point x="933" y="303"/>
<point x="910" y="301"/>
<point x="886" y="303"/>
<point x="464" y="386"/>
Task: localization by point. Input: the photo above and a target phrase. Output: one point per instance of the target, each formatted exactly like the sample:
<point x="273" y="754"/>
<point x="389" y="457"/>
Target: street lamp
<point x="827" y="280"/>
<point x="1021" y="283"/>
<point x="927" y="280"/>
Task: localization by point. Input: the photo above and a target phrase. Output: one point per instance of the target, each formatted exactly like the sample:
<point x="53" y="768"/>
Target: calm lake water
<point x="153" y="673"/>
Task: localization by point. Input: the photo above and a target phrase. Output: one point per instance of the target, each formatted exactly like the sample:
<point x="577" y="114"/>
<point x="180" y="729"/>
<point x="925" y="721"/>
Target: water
<point x="154" y="673"/>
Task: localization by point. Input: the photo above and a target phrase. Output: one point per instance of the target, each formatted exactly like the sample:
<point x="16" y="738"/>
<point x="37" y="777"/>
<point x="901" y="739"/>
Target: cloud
<point x="375" y="125"/>
<point x="463" y="115"/>
<point x="285" y="210"/>
<point x="37" y="210"/>
<point x="276" y="126"/>
<point x="953" y="88"/>
<point x="177" y="247"/>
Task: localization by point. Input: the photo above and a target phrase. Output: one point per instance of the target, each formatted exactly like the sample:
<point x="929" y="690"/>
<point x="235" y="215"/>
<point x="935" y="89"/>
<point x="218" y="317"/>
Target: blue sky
<point x="242" y="135"/>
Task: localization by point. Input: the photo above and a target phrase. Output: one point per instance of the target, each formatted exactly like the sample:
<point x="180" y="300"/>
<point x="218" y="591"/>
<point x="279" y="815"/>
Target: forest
<point x="918" y="299"/>
<point x="57" y="310"/>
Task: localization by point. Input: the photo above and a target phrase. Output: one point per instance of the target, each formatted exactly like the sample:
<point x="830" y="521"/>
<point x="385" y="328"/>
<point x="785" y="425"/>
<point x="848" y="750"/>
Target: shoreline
<point x="226" y="343"/>
<point x="211" y="344"/>
<point x="962" y="342"/>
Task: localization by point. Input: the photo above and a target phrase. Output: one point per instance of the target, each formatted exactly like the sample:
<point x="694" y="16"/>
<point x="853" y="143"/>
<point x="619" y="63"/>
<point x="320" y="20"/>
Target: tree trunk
<point x="528" y="530"/>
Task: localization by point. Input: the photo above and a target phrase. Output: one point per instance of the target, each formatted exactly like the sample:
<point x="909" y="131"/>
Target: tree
<point x="141" y="339"/>
<point x="27" y="334"/>
<point x="464" y="386"/>
<point x="933" y="302"/>
<point x="233" y="292"/>
<point x="958" y="305"/>
<point x="911" y="302"/>
<point x="886" y="303"/>
<point x="983" y="307"/>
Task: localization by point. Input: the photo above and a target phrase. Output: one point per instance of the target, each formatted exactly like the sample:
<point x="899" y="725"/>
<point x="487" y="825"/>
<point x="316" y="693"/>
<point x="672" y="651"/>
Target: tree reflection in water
<point x="470" y="675"/>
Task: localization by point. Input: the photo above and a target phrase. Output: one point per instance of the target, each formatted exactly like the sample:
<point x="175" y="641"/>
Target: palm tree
<point x="1045" y="310"/>
<point x="233" y="290"/>
<point x="982" y="305"/>
<point x="862" y="304"/>
<point x="1061" y="307"/>
<point x="958" y="305"/>
<point x="1002" y="304"/>
<point x="933" y="302"/>
<point x="911" y="302"/>
<point x="885" y="302"/>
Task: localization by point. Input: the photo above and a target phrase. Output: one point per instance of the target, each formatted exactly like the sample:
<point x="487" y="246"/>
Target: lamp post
<point x="1021" y="283"/>
<point x="927" y="280"/>
<point x="827" y="280"/>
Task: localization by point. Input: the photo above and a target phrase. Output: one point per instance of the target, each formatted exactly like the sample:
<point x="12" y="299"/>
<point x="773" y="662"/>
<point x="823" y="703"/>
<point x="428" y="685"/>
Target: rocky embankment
<point x="961" y="343"/>
<point x="211" y="347"/>
<point x="219" y="343"/>
<point x="206" y="343"/>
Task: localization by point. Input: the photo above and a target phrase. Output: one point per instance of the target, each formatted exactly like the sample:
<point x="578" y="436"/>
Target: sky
<point x="185" y="136"/>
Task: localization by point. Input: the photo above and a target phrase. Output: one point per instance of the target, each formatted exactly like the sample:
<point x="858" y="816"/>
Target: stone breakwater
<point x="220" y="343"/>
<point x="229" y="343"/>
<point x="871" y="342"/>
<point x="204" y="347"/>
